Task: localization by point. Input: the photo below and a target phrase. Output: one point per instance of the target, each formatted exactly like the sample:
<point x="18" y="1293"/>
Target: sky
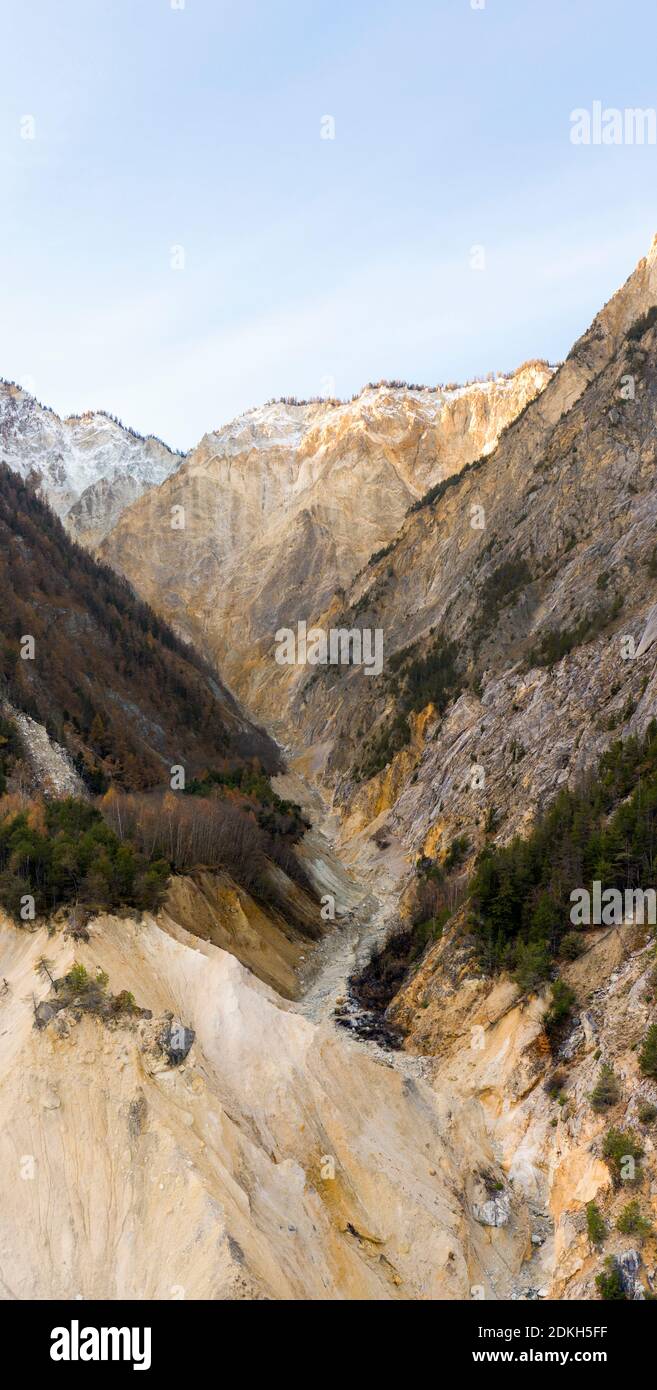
<point x="179" y="241"/>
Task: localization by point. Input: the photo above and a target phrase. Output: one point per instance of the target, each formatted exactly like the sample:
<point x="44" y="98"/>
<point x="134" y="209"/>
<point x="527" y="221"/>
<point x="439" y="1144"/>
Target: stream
<point x="364" y="917"/>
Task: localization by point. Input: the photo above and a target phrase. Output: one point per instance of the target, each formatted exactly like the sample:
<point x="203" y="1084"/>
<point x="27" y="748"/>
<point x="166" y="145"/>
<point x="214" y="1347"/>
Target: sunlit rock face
<point x="272" y="515"/>
<point x="278" y="1158"/>
<point x="266" y="1158"/>
<point x="565" y="510"/>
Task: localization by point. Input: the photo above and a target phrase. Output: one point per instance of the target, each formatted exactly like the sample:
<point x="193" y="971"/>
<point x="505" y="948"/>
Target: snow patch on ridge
<point x="63" y="458"/>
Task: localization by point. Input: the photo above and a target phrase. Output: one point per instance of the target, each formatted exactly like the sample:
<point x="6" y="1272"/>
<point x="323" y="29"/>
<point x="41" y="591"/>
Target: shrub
<point x="619" y="1146"/>
<point x="642" y="324"/>
<point x="88" y="994"/>
<point x="501" y="587"/>
<point x="609" y="1283"/>
<point x="595" y="1224"/>
<point x="456" y="853"/>
<point x="77" y="978"/>
<point x="382" y="553"/>
<point x="647" y="1113"/>
<point x="648" y="1053"/>
<point x="632" y="1223"/>
<point x="606" y="1091"/>
<point x="424" y="932"/>
<point x="438" y="490"/>
<point x="572" y="945"/>
<point x="555" y="1083"/>
<point x="563" y="998"/>
<point x="556" y="643"/>
<point x="532" y="965"/>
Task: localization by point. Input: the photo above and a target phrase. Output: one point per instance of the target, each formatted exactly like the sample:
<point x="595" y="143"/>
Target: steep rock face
<point x="213" y="908"/>
<point x="562" y="550"/>
<point x="569" y="507"/>
<point x="274" y="1160"/>
<point x="269" y="516"/>
<point x="232" y="1144"/>
<point x="488" y="1044"/>
<point x="88" y="467"/>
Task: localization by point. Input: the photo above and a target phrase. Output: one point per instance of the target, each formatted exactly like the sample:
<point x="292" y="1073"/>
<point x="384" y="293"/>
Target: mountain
<point x="103" y="711"/>
<point x="181" y="1128"/>
<point x="518" y="605"/>
<point x="369" y="1058"/>
<point x="283" y="506"/>
<point x="536" y="598"/>
<point x="105" y="677"/>
<point x="87" y="467"/>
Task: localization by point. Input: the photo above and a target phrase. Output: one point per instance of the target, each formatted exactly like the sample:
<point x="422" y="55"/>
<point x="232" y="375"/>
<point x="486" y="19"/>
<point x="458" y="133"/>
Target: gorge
<point x="500" y="537"/>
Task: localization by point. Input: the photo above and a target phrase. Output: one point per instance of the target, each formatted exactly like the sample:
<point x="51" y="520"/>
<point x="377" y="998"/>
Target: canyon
<point x="288" y="1154"/>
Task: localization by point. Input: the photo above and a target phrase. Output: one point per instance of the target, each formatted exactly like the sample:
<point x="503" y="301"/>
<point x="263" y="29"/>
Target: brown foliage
<point x="191" y="831"/>
<point x="109" y="679"/>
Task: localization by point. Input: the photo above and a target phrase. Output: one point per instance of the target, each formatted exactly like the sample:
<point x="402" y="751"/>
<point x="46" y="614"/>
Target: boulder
<point x="495" y="1212"/>
<point x="176" y="1040"/>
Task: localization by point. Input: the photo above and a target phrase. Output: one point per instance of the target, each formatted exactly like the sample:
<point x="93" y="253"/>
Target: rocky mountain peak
<point x="87" y="467"/>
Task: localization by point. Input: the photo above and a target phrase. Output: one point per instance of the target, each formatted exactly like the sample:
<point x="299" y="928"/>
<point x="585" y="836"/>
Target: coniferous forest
<point x="604" y="830"/>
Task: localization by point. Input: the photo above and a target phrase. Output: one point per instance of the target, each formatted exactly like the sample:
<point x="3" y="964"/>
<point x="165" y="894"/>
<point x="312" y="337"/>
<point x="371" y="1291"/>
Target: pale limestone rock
<point x="494" y="1212"/>
<point x="284" y="505"/>
<point x="143" y="1182"/>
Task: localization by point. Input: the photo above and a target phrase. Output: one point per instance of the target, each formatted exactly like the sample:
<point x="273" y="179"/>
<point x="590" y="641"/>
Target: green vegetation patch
<point x="558" y="642"/>
<point x="273" y="813"/>
<point x="10" y="750"/>
<point x="64" y="852"/>
<point x="419" y="676"/>
<point x="605" y="830"/>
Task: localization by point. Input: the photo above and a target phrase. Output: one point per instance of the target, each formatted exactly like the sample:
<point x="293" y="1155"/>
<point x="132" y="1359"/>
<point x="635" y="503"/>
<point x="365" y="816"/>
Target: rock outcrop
<point x="270" y="516"/>
<point x="89" y="468"/>
<point x="265" y="1153"/>
<point x="273" y="1160"/>
<point x="548" y="598"/>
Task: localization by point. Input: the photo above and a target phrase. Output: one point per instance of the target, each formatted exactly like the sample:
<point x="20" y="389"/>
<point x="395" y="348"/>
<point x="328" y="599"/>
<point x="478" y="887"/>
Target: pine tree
<point x="648" y="1053"/>
<point x="606" y="1090"/>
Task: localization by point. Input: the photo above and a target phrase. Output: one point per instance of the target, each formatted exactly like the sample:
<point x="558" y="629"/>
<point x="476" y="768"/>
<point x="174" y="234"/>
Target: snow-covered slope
<point x="88" y="467"/>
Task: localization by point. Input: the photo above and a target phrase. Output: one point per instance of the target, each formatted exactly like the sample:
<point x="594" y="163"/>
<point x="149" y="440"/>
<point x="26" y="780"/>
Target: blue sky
<point x="310" y="265"/>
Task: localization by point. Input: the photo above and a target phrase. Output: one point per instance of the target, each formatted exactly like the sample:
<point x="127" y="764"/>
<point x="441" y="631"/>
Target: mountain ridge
<point x="506" y="677"/>
<point x="288" y="502"/>
<point x="87" y="467"/>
